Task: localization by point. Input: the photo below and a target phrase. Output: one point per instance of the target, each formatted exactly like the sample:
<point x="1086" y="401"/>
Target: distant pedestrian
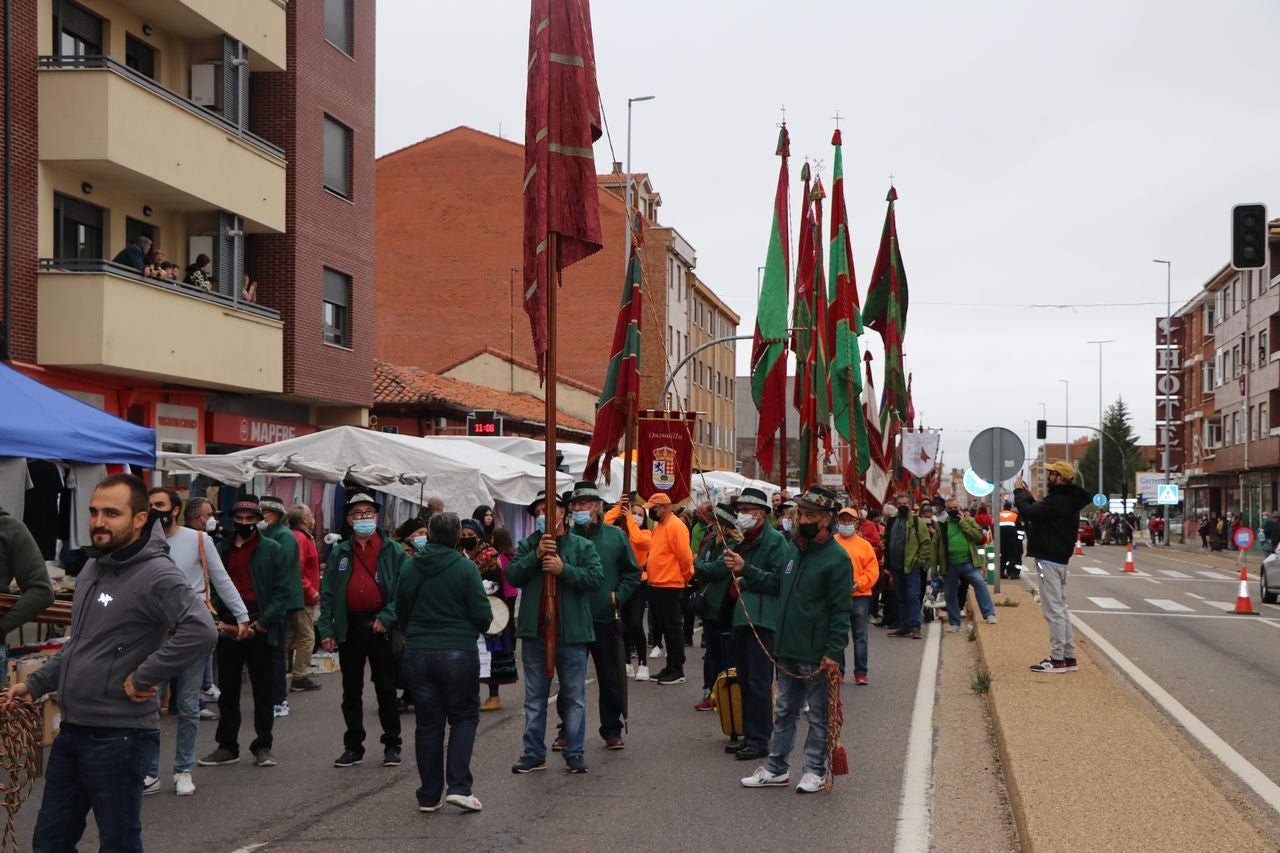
<point x="1052" y="526"/>
<point x="277" y="530"/>
<point x="302" y="637"/>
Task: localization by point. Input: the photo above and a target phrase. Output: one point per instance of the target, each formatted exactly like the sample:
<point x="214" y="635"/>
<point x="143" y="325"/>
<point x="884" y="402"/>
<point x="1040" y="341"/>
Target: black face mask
<point x="808" y="530"/>
<point x="245" y="531"/>
<point x="954" y="513"/>
<point x="165" y="518"/>
<point x="467" y="544"/>
<point x="655" y="514"/>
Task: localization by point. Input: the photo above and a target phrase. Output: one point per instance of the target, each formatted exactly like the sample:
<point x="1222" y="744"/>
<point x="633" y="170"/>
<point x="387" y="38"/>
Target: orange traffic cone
<point x="1079" y="548"/>
<point x="1128" y="559"/>
<point x="1244" y="607"/>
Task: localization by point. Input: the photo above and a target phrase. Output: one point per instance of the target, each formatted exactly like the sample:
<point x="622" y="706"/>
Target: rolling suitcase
<point x="726" y="697"/>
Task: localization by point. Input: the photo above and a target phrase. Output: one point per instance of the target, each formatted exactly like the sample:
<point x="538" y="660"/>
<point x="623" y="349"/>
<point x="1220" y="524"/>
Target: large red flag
<point x="769" y="348"/>
<point x="562" y="120"/>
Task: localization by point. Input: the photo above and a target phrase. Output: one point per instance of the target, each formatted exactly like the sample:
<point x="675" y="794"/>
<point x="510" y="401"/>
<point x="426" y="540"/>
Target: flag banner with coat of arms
<point x="664" y="463"/>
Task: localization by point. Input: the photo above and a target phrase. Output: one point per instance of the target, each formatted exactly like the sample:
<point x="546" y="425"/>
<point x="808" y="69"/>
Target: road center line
<point x="1235" y="762"/>
<point x="914" y="809"/>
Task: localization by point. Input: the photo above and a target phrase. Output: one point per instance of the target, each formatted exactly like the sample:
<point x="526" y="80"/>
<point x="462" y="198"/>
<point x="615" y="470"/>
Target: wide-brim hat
<point x="752" y="496"/>
<point x="247" y="503"/>
<point x="819" y="498"/>
<point x="542" y="496"/>
<point x="585" y="490"/>
<point x="272" y="503"/>
<point x="360" y="498"/>
<point x="726" y="515"/>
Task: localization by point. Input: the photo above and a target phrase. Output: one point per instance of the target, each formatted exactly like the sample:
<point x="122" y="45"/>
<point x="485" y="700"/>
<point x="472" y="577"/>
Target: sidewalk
<point x="1087" y="768"/>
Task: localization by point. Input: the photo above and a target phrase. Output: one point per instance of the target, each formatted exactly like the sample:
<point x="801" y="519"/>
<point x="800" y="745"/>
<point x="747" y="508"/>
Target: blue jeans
<point x="188" y="693"/>
<point x="719" y="652"/>
<point x="951" y="583"/>
<point x="99" y="769"/>
<point x="792" y="695"/>
<point x="445" y="685"/>
<point x="906" y="585"/>
<point x="859" y="617"/>
<point x="206" y="679"/>
<point x="755" y="677"/>
<point x="571" y="667"/>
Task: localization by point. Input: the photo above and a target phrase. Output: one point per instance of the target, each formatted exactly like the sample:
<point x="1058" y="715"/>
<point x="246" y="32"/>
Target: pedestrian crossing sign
<point x="1167" y="493"/>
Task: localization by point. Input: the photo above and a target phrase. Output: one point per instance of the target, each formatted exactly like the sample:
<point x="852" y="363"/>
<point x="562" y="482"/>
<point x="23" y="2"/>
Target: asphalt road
<point x="1171" y="620"/>
<point x="673" y="787"/>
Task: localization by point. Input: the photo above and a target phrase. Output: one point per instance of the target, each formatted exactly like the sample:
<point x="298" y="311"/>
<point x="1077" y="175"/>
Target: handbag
<point x="208" y="599"/>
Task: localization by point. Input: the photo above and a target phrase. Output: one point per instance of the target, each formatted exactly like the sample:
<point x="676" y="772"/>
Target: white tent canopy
<point x="717" y="486"/>
<point x="463" y="472"/>
<point x="533" y="450"/>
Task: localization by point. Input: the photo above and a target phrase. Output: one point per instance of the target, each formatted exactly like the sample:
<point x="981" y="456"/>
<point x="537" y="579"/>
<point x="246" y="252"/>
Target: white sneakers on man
<point x="150" y="785"/>
<point x="655" y="652"/>
<point x="810" y="783"/>
<point x="465" y="802"/>
<point x="182" y="784"/>
<point x="763" y="778"/>
<point x="642" y="673"/>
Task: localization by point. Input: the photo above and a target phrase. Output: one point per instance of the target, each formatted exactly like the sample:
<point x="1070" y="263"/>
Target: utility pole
<point x="1101" y="490"/>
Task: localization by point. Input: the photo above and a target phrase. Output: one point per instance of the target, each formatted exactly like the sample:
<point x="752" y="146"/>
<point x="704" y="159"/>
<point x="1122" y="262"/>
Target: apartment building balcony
<point x="259" y="24"/>
<point x="100" y="316"/>
<point x="110" y="123"/>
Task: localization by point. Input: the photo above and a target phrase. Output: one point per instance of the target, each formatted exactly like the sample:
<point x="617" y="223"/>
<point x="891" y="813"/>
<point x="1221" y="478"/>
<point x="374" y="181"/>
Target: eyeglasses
<point x="362" y="514"/>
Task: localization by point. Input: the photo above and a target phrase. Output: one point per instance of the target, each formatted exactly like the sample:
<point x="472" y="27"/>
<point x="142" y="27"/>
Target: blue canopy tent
<point x="40" y="422"/>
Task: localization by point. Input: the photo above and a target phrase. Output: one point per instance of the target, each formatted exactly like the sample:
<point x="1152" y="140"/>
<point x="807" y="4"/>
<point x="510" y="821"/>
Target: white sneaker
<point x="464" y="802"/>
<point x="642" y="673"/>
<point x="211" y="695"/>
<point x="810" y="783"/>
<point x="182" y="784"/>
<point x="208" y="714"/>
<point x="991" y="620"/>
<point x="631" y="670"/>
<point x="763" y="778"/>
<point x="953" y="629"/>
<point x="150" y="785"/>
<point x="281" y="710"/>
<point x="655" y="652"/>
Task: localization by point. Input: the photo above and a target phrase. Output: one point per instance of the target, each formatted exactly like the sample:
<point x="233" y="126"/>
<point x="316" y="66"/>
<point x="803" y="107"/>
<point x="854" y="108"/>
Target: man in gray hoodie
<point x="135" y="623"/>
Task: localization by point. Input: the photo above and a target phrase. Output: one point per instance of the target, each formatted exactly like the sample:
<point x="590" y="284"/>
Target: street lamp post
<point x="1066" y="411"/>
<point x="627" y="215"/>
<point x="1101" y="491"/>
<point x="1168" y="329"/>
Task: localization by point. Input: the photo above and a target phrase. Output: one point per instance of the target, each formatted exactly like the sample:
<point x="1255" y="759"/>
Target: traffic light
<point x="1042" y="430"/>
<point x="1249" y="236"/>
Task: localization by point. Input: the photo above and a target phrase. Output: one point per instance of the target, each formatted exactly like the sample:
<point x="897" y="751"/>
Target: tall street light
<point x="1101" y="491"/>
<point x="1168" y="329"/>
<point x="627" y="216"/>
<point x="1066" y="418"/>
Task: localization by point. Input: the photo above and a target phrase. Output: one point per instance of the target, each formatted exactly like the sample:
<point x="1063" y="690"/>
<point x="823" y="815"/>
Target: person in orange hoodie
<point x="866" y="570"/>
<point x="670" y="569"/>
<point x="632" y="519"/>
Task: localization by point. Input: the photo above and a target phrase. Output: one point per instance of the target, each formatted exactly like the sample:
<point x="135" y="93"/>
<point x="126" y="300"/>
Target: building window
<point x="337" y="24"/>
<point x="76" y="32"/>
<point x="140" y="56"/>
<point x="1213" y="434"/>
<point x="77" y="228"/>
<point x="337" y="314"/>
<point x="337" y="157"/>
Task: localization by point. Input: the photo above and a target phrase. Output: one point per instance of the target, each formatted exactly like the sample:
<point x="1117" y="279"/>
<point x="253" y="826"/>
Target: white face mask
<point x="262" y="525"/>
<point x="746" y="521"/>
<point x="786" y="524"/>
<point x="862" y="513"/>
<point x="211" y="524"/>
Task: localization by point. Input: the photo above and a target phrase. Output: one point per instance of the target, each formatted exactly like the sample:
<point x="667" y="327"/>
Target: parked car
<point x="1086" y="534"/>
<point x="1269" y="579"/>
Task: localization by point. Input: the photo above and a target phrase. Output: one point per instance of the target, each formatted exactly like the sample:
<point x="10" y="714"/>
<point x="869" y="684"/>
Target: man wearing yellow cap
<point x="1052" y="525"/>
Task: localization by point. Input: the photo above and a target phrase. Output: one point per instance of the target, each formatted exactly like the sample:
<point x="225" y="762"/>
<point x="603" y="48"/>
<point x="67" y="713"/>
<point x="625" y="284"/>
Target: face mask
<point x="786" y="524"/>
<point x="655" y="514"/>
<point x="262" y="525"/>
<point x="244" y="531"/>
<point x="364" y="526"/>
<point x="746" y="520"/>
<point x="809" y="530"/>
<point x="845" y="529"/>
<point x="211" y="524"/>
<point x="540" y="524"/>
<point x="467" y="543"/>
<point x="582" y="517"/>
<point x="165" y="518"/>
<point x="954" y="513"/>
<point x="928" y="519"/>
<point x="419" y="542"/>
<point x="890" y="511"/>
<point x="862" y="513"/>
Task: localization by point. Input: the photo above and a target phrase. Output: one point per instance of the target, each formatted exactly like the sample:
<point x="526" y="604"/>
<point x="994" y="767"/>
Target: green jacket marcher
<point x="21" y="561"/>
<point x="709" y="567"/>
<point x="270" y="574"/>
<point x="973" y="535"/>
<point x="333" y="587"/>
<point x="620" y="571"/>
<point x="283" y="536"/>
<point x="440" y="601"/>
<point x="813" y="589"/>
<point x="768" y="552"/>
<point x="919" y="552"/>
<point x="581" y="576"/>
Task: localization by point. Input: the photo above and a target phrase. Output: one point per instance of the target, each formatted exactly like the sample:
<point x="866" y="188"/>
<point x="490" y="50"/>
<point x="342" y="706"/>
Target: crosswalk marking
<point x="1196" y="597"/>
<point x="1094" y="570"/>
<point x="1170" y="606"/>
<point x="1109" y="603"/>
<point x="1174" y="573"/>
<point x="1221" y="605"/>
<point x="1217" y="576"/>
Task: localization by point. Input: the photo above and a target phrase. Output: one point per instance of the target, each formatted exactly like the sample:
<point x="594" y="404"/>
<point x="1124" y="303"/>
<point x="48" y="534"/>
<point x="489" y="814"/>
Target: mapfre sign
<point x="1169" y="389"/>
<point x="246" y="431"/>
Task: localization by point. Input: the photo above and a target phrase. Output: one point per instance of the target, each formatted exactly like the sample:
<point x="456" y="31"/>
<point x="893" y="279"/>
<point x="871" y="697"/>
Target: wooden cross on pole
<point x="837" y="118"/>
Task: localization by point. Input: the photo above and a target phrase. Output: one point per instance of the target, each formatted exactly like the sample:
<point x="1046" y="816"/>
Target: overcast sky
<point x="1043" y="153"/>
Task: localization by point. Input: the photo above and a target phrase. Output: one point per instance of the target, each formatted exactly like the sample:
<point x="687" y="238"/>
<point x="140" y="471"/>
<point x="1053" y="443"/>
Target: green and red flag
<point x="622" y="378"/>
<point x="769" y="347"/>
<point x="844" y="324"/>
<point x="886" y="312"/>
<point x="802" y="328"/>
<point x="819" y="353"/>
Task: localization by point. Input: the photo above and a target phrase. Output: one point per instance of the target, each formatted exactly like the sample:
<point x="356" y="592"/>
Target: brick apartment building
<point x="242" y="131"/>
<point x="448" y="300"/>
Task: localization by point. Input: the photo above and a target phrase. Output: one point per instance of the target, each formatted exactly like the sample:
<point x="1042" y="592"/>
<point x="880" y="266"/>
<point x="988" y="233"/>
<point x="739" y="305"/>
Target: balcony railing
<point x="104" y="267"/>
<point x="99" y="63"/>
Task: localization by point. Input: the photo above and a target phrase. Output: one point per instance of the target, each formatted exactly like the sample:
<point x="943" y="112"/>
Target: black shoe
<point x="575" y="763"/>
<point x="219" y="757"/>
<point x="528" y="764"/>
<point x="349" y="758"/>
<point x="304" y="684"/>
<point x="733" y="748"/>
<point x="671" y="677"/>
<point x="751" y="753"/>
<point x="391" y="758"/>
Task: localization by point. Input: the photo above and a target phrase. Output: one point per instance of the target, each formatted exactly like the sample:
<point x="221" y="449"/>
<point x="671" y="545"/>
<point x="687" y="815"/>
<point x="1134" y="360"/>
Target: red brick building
<point x="265" y="166"/>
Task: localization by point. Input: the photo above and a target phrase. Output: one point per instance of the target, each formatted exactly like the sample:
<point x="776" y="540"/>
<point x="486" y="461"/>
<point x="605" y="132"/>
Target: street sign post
<point x="1099" y="500"/>
<point x="995" y="455"/>
<point x="1167" y="494"/>
<point x="1244" y="538"/>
